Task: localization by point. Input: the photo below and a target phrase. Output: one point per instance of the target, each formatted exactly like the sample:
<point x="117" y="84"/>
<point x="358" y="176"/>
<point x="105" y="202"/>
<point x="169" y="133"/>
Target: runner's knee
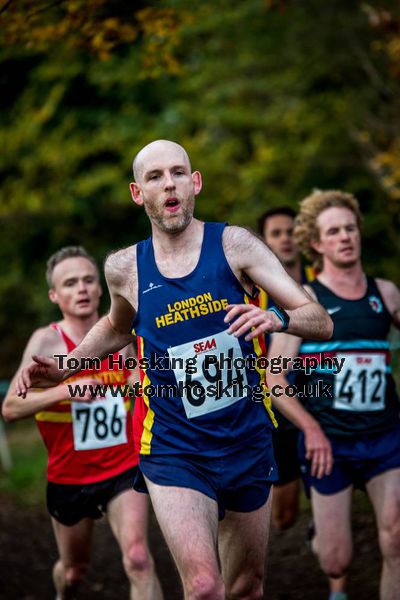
<point x="75" y="574"/>
<point x="247" y="588"/>
<point x="206" y="586"/>
<point x="389" y="539"/>
<point x="335" y="560"/>
<point x="137" y="559"/>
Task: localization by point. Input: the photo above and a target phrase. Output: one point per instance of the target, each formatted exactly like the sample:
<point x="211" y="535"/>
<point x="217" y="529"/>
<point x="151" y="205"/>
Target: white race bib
<point x="99" y="424"/>
<point x="361" y="384"/>
<point x="213" y="386"/>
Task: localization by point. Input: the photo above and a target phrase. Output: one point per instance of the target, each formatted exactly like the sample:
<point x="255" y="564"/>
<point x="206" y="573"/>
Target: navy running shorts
<point x="357" y="459"/>
<point x="238" y="479"/>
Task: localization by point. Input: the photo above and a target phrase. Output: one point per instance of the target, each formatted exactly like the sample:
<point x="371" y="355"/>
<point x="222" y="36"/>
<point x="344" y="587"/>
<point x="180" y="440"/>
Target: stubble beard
<point x="173" y="225"/>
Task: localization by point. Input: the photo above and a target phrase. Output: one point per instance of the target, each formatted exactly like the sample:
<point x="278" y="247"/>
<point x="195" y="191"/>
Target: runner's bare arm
<point x="110" y="334"/>
<point x="391" y="295"/>
<point x="318" y="448"/>
<point x="43" y="341"/>
<point x="128" y="353"/>
<point x="248" y="255"/>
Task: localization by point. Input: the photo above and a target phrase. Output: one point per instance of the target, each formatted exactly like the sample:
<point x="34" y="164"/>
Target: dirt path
<point x="27" y="551"/>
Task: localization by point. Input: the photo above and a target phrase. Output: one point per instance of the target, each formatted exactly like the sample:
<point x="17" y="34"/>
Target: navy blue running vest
<point x="189" y="404"/>
<point x="364" y="393"/>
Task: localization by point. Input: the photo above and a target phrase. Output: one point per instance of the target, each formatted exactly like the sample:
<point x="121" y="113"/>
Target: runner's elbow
<point x="9" y="412"/>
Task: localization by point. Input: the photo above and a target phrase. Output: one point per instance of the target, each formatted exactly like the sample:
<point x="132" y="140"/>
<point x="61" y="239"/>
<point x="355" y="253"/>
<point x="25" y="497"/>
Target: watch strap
<point x="282" y="314"/>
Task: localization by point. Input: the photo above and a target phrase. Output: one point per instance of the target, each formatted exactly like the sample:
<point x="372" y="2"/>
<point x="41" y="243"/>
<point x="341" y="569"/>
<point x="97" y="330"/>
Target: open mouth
<point x="83" y="302"/>
<point x="172" y="204"/>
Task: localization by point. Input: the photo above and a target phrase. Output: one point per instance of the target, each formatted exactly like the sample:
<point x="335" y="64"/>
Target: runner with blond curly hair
<point x="361" y="414"/>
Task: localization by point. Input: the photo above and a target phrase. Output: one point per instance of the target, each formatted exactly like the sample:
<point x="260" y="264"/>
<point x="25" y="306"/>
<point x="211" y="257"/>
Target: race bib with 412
<point x="213" y="385"/>
<point x="99" y="424"/>
<point x="361" y="384"/>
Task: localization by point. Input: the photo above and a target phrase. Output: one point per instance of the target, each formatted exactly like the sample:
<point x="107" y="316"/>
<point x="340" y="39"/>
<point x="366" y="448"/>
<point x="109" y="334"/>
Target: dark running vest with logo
<point x="364" y="398"/>
<point x="200" y="410"/>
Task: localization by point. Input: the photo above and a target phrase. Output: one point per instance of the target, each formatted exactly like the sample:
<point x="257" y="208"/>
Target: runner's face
<point x="76" y="288"/>
<point x="167" y="188"/>
<point x="278" y="235"/>
<point x="340" y="241"/>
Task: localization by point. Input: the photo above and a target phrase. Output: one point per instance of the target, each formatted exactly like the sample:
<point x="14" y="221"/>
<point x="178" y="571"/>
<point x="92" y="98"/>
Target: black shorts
<point x="69" y="504"/>
<point x="286" y="455"/>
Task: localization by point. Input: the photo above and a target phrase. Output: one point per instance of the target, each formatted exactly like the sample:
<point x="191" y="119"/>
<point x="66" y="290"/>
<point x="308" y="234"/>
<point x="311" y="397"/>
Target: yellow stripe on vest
<point x="64" y="417"/>
<point x="263" y="380"/>
<point x="147" y="435"/>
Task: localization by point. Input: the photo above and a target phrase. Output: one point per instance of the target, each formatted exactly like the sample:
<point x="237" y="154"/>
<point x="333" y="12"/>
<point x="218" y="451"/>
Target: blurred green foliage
<point x="26" y="481"/>
<point x="270" y="98"/>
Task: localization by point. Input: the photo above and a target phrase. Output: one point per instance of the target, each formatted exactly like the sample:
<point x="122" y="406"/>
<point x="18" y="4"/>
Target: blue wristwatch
<point x="282" y="314"/>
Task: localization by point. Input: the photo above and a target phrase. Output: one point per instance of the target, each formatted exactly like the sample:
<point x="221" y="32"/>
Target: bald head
<point x="153" y="152"/>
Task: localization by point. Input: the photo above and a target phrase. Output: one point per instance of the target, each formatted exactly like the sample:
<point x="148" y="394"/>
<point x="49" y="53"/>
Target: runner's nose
<point x="169" y="181"/>
<point x="344" y="234"/>
<point x="82" y="286"/>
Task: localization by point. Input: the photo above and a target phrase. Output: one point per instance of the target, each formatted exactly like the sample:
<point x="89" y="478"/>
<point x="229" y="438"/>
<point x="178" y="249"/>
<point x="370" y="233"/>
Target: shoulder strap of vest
<point x="68" y="342"/>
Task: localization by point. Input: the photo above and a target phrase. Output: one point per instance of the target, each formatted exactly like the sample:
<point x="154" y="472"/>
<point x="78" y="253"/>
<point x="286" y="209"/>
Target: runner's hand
<point x="42" y="373"/>
<point x="252" y="320"/>
<point x="318" y="451"/>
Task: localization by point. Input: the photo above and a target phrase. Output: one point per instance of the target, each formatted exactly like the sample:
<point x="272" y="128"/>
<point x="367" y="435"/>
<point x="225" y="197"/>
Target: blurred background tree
<point x="271" y="99"/>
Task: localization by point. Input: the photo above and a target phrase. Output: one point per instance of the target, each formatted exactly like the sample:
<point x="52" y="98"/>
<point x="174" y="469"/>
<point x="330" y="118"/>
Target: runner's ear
<point x="136" y="193"/>
<point x="197" y="182"/>
<point x="316" y="245"/>
<point x="53" y="296"/>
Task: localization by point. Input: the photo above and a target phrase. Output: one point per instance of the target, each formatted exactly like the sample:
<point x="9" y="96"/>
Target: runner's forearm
<point x="99" y="342"/>
<point x="289" y="406"/>
<point x="310" y="321"/>
<point x="14" y="407"/>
